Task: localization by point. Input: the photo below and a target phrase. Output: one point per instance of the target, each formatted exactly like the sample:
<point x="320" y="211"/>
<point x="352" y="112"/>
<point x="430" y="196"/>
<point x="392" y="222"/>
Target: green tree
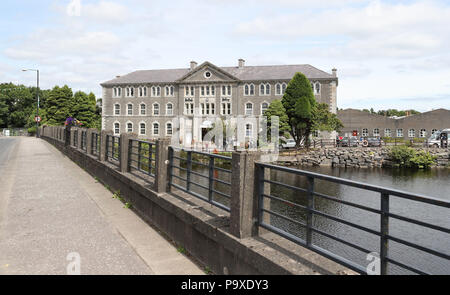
<point x="299" y="102"/>
<point x="84" y="109"/>
<point x="59" y="105"/>
<point x="277" y="109"/>
<point x="3" y="113"/>
<point x="324" y="120"/>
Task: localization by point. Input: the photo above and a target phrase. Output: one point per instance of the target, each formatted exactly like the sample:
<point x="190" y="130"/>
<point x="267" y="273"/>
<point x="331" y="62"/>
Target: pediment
<point x="198" y="74"/>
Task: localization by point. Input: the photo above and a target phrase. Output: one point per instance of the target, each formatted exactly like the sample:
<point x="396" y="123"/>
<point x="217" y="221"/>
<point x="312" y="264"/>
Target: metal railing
<point x="95" y="142"/>
<point x="113" y="149"/>
<point x="142" y="157"/>
<point x="311" y="211"/>
<point x="207" y="183"/>
<point x="75" y="138"/>
<point x="83" y="140"/>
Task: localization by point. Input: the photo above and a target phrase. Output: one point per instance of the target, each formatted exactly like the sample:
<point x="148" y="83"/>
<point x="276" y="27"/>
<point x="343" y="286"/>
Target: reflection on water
<point x="433" y="183"/>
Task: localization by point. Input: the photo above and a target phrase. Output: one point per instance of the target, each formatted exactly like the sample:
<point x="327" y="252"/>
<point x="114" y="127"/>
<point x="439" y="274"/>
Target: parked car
<point x="436" y="139"/>
<point x="374" y="141"/>
<point x="348" y="142"/>
<point x="288" y="144"/>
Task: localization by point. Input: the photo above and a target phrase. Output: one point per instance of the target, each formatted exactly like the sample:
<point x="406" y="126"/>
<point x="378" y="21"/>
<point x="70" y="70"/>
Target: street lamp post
<point x="37" y="109"/>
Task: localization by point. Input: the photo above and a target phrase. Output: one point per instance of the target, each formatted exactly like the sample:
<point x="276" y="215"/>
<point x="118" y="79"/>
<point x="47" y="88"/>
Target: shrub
<point x="423" y="159"/>
<point x="408" y="157"/>
<point x="32" y="131"/>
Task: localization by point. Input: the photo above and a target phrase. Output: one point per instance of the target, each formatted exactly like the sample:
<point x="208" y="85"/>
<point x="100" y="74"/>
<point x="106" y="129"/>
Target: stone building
<point x="148" y="102"/>
<point x="416" y="126"/>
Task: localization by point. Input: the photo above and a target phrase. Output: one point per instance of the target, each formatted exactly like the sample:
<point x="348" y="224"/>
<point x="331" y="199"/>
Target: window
<point x="117" y="109"/>
<point x="169" y="129"/>
<point x="423" y="133"/>
<point x="387" y="132"/>
<point x="130" y="109"/>
<point x="249" y="89"/>
<point x="129" y="92"/>
<point x="226" y="90"/>
<point x="116" y="128"/>
<point x="142" y="129"/>
<point x="365" y="132"/>
<point x="248" y="130"/>
<point x="189" y="108"/>
<point x="142" y="92"/>
<point x="226" y="108"/>
<point x="264" y="107"/>
<point x="399" y="132"/>
<point x="117" y="92"/>
<point x="143" y="109"/>
<point x="433" y="131"/>
<point x="155" y="128"/>
<point x="249" y="109"/>
<point x="283" y="88"/>
<point x="207" y="108"/>
<point x="376" y="132"/>
<point x="280" y="88"/>
<point x="156" y="91"/>
<point x="129" y="127"/>
<point x="156" y="109"/>
<point x="170" y="90"/>
<point x="412" y="133"/>
<point x="169" y="109"/>
<point x="208" y="75"/>
<point x="317" y="87"/>
<point x="264" y="89"/>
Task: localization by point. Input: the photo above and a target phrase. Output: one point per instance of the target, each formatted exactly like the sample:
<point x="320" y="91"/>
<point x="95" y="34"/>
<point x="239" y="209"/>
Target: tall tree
<point x="324" y="120"/>
<point x="59" y="105"/>
<point x="83" y="109"/>
<point x="299" y="102"/>
<point x="277" y="109"/>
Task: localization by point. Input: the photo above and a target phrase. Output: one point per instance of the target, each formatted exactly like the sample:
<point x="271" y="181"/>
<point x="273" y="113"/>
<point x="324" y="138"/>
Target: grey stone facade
<point x="206" y="75"/>
<point x="416" y="126"/>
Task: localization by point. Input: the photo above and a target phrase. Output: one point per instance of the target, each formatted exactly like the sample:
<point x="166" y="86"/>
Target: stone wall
<point x="354" y="157"/>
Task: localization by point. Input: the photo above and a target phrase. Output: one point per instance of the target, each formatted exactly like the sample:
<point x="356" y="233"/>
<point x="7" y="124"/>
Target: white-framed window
<point x="226" y="108"/>
<point x="189" y="108"/>
<point x="249" y="89"/>
<point x="399" y="132"/>
<point x="156" y="91"/>
<point x="130" y="109"/>
<point x="434" y="131"/>
<point x="365" y="132"/>
<point x="129" y="127"/>
<point x="280" y="88"/>
<point x="248" y="130"/>
<point x="283" y="88"/>
<point x="411" y="133"/>
<point x="170" y="91"/>
<point x="156" y="128"/>
<point x="142" y="128"/>
<point x="376" y="132"/>
<point x="264" y="89"/>
<point x="129" y="92"/>
<point x="189" y="91"/>
<point x="142" y="91"/>
<point x="248" y="109"/>
<point x="156" y="109"/>
<point x="264" y="107"/>
<point x="116" y="128"/>
<point x="143" y="108"/>
<point x="387" y="132"/>
<point x="423" y="133"/>
<point x="117" y="109"/>
<point x="317" y="88"/>
<point x="226" y="90"/>
<point x="169" y="109"/>
<point x="169" y="129"/>
<point x="208" y="108"/>
<point x="117" y="92"/>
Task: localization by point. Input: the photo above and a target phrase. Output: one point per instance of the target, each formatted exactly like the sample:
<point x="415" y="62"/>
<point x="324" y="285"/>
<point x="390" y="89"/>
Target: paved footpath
<point x="50" y="208"/>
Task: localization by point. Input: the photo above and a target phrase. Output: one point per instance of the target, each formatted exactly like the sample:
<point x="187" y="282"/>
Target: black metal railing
<point x="75" y="138"/>
<point x="211" y="188"/>
<point x="310" y="212"/>
<point x="113" y="149"/>
<point x="142" y="157"/>
<point x="83" y="140"/>
<point x="95" y="143"/>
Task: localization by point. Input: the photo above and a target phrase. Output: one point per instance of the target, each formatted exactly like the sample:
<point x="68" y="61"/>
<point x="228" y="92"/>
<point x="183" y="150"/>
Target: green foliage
<point x="59" y="105"/>
<point x="83" y="108"/>
<point x="410" y="158"/>
<point x="391" y="112"/>
<point x="277" y="109"/>
<point x="324" y="120"/>
<point x="181" y="250"/>
<point x="17" y="102"/>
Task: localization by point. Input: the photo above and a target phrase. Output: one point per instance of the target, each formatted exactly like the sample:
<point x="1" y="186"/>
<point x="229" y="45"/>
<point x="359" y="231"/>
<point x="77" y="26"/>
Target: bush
<point x="408" y="157"/>
<point x="32" y="131"/>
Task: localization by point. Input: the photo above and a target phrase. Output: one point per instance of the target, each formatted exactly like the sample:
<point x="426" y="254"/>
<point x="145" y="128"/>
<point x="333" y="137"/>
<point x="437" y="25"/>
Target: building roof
<point x="246" y="73"/>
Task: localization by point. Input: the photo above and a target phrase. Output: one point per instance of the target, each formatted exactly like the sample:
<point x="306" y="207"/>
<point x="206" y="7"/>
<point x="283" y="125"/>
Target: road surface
<point x="56" y="219"/>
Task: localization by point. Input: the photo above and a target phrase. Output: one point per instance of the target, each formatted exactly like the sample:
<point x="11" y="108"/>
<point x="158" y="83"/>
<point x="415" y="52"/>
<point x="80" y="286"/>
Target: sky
<point x="389" y="54"/>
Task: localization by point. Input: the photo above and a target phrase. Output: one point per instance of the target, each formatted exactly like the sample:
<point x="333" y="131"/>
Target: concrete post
<point x="124" y="150"/>
<point x="72" y="136"/>
<point x="244" y="198"/>
<point x="89" y="141"/>
<point x="80" y="131"/>
<point x="102" y="151"/>
<point x="162" y="161"/>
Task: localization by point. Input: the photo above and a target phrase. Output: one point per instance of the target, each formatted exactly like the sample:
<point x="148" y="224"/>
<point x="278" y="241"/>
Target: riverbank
<point x="354" y="157"/>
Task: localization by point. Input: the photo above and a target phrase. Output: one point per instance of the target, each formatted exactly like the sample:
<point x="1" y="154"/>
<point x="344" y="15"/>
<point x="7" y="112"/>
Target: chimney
<point x="241" y="63"/>
<point x="117" y="77"/>
<point x="334" y="72"/>
<point x="193" y="65"/>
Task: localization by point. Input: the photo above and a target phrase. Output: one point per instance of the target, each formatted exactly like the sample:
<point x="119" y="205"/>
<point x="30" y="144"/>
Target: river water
<point x="433" y="183"/>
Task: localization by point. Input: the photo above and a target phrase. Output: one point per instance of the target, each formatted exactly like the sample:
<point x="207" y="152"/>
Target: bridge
<point x="223" y="210"/>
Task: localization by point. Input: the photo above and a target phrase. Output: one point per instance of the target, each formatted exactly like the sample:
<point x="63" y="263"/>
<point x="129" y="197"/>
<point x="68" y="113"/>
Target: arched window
<point x="267" y="89"/>
<point x="117" y="109"/>
<point x="246" y="89"/>
<point x="283" y="88"/>
<point x="155" y="128"/>
<point x="278" y="89"/>
<point x="129" y="127"/>
<point x="129" y="92"/>
<point x="142" y="129"/>
<point x="143" y="109"/>
<point x="264" y="107"/>
<point x="117" y="92"/>
<point x="169" y="129"/>
<point x="249" y="109"/>
<point x="116" y="128"/>
<point x="169" y="109"/>
<point x="262" y="89"/>
<point x="156" y="109"/>
<point x="156" y="91"/>
<point x="130" y="109"/>
<point x="170" y="91"/>
<point x="317" y="88"/>
<point x="252" y="89"/>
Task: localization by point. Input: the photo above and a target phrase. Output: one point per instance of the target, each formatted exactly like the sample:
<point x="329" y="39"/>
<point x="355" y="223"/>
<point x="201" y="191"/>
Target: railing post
<point x="103" y="145"/>
<point x="79" y="142"/>
<point x="170" y="168"/>
<point x="310" y="206"/>
<point x="189" y="169"/>
<point x="89" y="141"/>
<point x="124" y="147"/>
<point x="211" y="178"/>
<point x="162" y="156"/>
<point x="384" y="229"/>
